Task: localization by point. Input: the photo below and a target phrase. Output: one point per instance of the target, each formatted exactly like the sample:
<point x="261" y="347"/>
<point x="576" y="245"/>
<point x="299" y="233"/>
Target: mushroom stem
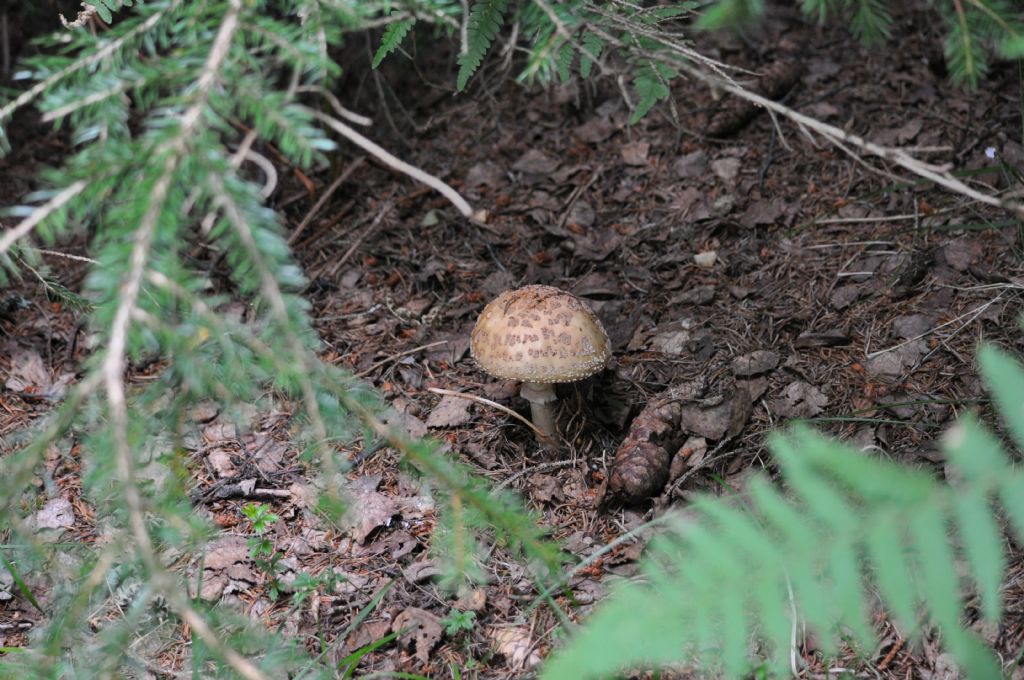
<point x="541" y="396"/>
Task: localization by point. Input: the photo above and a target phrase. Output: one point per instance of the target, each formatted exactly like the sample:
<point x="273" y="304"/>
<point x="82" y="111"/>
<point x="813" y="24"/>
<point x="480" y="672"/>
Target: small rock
<point x="706" y="259"/>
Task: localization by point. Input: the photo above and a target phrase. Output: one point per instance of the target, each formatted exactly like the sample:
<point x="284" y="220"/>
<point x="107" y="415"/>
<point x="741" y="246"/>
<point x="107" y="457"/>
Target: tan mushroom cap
<point x="539" y="334"/>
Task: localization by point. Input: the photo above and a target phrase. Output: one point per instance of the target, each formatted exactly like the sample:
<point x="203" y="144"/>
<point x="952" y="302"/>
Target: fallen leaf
<point x="595" y="130"/>
<point x="471" y="600"/>
<point x="368" y="509"/>
<point x="449" y="412"/>
<point x="57" y="513"/>
<point x="759" y="361"/>
<point x="536" y="162"/>
<point x="227" y="568"/>
<point x="635" y="153"/>
<point x="27" y="370"/>
<point x="421" y="572"/>
<point x="762" y="212"/>
<point x="692" y="165"/>
<point x="801" y="400"/>
<point x="422" y="630"/>
<point x="515" y="645"/>
<point x="726" y="168"/>
<point x="485" y="173"/>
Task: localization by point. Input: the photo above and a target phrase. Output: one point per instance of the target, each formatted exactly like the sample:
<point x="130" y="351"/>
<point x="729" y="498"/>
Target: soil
<point x="762" y="263"/>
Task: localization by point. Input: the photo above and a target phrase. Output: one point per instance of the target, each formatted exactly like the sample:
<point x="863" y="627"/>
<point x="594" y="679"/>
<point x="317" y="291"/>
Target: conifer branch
<point x="85" y="62"/>
<point x="113" y="365"/>
<point x="11" y="236"/>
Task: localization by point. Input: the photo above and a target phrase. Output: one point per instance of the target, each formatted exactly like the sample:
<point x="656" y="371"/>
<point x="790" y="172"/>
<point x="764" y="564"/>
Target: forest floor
<point x="864" y="293"/>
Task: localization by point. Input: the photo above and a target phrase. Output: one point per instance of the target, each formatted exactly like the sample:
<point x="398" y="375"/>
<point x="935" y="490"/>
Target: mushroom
<point x="539" y="335"/>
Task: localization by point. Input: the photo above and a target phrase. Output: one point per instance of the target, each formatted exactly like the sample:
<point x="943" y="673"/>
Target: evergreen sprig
<point x="163" y="109"/>
<point x="848" y="525"/>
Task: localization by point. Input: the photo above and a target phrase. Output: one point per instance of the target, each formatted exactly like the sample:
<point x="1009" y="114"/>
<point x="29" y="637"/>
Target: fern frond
<point x="593" y="44"/>
<point x="651" y="83"/>
<point x="849" y="525"/>
<point x="730" y="14"/>
<point x="393" y="36"/>
<point x="485" y="20"/>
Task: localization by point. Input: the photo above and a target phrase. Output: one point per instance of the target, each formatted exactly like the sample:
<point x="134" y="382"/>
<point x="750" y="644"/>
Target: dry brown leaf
<point x="515" y="645"/>
<point x="422" y="630"/>
<point x="449" y="412"/>
<point x="368" y="509"/>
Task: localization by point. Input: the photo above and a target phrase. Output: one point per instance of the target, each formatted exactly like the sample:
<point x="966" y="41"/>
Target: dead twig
<point x="396" y="163"/>
<point x="840" y="138"/>
<point x="324" y="197"/>
<point x="493" y="404"/>
<point x="393" y="357"/>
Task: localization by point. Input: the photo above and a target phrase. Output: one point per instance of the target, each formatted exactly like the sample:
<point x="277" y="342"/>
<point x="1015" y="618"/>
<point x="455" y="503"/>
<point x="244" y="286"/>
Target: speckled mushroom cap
<point x="539" y="334"/>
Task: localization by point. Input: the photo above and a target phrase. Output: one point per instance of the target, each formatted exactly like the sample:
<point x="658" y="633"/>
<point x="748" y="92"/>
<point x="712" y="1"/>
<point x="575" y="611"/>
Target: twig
<point x="335" y="103"/>
<point x="384" y="210"/>
<point x="493" y="404"/>
<point x="840" y="137"/>
<point x="553" y="465"/>
<point x="392" y="161"/>
<point x="392" y="357"/>
<point x="973" y="314"/>
<point x="324" y="197"/>
<point x="268" y="169"/>
<point x="87" y="12"/>
<point x="39" y="214"/>
<point x="601" y="552"/>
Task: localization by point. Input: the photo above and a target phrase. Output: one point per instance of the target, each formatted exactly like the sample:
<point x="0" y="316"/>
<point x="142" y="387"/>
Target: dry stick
<point x="396" y="163"/>
<point x="324" y="197"/>
<point x="385" y="209"/>
<point x="392" y="357"/>
<point x="39" y="214"/>
<point x="973" y="314"/>
<point x="113" y="366"/>
<point x="838" y="136"/>
<point x="492" y="404"/>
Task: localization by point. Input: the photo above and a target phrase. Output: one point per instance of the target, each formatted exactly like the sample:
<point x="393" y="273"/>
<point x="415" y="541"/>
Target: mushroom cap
<point x="539" y="334"/>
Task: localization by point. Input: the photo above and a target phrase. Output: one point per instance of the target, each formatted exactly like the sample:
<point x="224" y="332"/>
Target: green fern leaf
<point x="566" y="55"/>
<point x="983" y="545"/>
<point x="650" y="83"/>
<point x="730" y="14"/>
<point x="393" y="36"/>
<point x="1006" y="379"/>
<point x="884" y="545"/>
<point x="853" y="524"/>
<point x="485" y="20"/>
<point x="593" y="44"/>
